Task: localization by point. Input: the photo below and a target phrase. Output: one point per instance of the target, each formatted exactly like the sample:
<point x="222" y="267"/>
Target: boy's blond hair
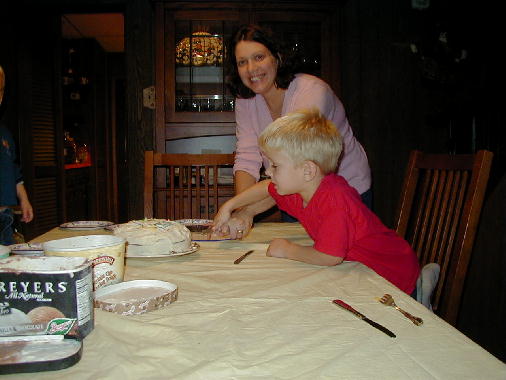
<point x="304" y="135"/>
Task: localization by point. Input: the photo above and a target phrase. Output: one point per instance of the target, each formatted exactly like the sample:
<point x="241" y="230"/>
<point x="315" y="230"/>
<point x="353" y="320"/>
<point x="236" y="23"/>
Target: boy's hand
<point x="279" y="248"/>
<point x="27" y="210"/>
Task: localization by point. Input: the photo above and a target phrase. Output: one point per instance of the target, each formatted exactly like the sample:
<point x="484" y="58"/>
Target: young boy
<point x="303" y="149"/>
<point x="12" y="188"/>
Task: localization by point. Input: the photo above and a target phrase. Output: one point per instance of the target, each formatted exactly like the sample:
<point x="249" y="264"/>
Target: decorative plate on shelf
<point x="199" y="229"/>
<point x="85" y="225"/>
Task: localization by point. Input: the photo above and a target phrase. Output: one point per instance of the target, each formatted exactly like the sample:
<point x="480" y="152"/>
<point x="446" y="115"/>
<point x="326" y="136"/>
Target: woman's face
<point x="256" y="66"/>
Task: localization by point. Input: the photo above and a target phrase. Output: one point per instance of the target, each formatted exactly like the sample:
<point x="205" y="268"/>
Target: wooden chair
<point x="185" y="186"/>
<point x="438" y="214"/>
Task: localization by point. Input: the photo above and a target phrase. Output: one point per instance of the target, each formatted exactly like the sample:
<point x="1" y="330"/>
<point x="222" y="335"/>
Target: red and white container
<point x="106" y="253"/>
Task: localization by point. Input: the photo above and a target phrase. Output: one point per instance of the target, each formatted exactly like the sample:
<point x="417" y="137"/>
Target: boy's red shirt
<point x="341" y="225"/>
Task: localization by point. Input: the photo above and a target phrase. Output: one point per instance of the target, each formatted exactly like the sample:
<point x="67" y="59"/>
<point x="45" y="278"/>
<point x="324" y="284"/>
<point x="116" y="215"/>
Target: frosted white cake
<point x="153" y="237"/>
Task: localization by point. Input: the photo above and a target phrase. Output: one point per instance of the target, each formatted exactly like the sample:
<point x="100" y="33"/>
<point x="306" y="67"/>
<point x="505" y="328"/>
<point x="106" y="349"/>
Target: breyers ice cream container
<point x="46" y="295"/>
<point x="106" y="253"/>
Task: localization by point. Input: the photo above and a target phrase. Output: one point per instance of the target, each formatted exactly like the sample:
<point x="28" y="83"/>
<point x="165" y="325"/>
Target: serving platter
<point x="193" y="248"/>
<point x="86" y="225"/>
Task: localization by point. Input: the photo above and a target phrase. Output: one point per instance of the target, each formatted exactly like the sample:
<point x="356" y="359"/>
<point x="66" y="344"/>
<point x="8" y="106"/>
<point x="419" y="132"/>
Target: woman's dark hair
<point x="286" y="67"/>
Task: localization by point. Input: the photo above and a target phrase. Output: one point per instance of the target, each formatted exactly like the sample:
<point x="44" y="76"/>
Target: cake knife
<point x="364" y="318"/>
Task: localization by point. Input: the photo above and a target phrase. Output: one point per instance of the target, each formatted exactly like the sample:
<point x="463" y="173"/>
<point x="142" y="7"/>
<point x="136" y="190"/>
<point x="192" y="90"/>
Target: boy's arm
<point x="256" y="198"/>
<point x="26" y="207"/>
<point x="285" y="249"/>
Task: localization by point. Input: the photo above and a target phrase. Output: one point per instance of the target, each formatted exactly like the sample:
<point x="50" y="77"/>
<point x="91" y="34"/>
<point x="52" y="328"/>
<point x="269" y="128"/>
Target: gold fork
<point x="388" y="300"/>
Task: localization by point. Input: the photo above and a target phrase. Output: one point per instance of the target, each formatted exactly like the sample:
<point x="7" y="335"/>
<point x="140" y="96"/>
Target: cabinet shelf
<point x="199" y="74"/>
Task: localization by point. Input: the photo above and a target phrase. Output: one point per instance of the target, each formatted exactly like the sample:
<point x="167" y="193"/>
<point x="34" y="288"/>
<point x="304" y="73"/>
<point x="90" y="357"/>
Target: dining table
<point x="269" y="318"/>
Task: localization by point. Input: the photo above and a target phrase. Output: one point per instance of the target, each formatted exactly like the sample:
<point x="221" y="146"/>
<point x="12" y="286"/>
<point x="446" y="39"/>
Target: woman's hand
<point x="221" y="221"/>
<point x="240" y="223"/>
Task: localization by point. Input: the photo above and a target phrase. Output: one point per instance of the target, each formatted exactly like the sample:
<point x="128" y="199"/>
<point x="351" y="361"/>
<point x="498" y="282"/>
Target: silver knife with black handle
<point x="344" y="305"/>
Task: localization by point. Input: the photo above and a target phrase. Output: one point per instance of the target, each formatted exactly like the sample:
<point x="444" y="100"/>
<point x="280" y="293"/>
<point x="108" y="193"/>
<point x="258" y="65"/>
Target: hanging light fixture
<point x="201" y="49"/>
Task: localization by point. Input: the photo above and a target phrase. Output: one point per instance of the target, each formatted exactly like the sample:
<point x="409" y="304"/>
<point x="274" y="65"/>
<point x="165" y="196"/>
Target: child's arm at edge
<point x="283" y="248"/>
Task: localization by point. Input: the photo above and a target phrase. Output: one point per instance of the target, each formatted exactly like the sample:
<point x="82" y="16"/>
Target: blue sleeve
<point x="11" y="173"/>
<point x="18" y="175"/>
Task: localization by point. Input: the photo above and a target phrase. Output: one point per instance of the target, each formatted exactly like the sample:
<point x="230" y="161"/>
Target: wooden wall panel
<point x="139" y="41"/>
<point x="45" y="204"/>
<point x="36" y="115"/>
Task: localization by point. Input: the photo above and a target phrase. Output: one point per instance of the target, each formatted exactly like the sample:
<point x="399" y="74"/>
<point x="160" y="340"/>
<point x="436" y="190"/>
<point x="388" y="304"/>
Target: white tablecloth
<point x="272" y="319"/>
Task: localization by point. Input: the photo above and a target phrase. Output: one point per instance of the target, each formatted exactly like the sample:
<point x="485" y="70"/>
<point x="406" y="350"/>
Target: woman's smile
<point x="256" y="78"/>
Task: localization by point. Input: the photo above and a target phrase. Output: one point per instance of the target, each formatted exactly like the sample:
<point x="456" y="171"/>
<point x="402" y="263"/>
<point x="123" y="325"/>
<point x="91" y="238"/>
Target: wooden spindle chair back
<point x="185" y="186"/>
<point x="438" y="213"/>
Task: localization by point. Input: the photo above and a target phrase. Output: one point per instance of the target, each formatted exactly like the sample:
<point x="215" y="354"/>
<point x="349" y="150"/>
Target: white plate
<point x="34" y="249"/>
<point x="194" y="247"/>
<point x="85" y="225"/>
<point x="112" y="227"/>
<point x="203" y="224"/>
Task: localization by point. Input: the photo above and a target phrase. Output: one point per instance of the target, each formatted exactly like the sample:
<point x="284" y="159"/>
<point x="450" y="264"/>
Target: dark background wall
<point x="444" y="97"/>
<point x="441" y="97"/>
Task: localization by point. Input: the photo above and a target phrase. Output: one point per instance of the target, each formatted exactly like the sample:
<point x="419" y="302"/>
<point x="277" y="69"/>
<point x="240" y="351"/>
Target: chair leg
<point x="426" y="284"/>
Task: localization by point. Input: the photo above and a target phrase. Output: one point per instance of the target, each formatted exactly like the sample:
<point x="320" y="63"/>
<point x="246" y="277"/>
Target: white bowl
<point x="4" y="251"/>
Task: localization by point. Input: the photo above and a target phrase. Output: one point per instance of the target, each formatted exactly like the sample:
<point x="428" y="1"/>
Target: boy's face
<point x="287" y="177"/>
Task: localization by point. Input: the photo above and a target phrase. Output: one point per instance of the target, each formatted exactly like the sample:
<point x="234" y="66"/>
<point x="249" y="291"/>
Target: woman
<point x="266" y="86"/>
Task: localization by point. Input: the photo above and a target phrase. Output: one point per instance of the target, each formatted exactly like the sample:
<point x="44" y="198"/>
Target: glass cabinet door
<point x="192" y="45"/>
<point x="199" y="68"/>
<point x="195" y="76"/>
<point x="310" y="35"/>
<point x="303" y="40"/>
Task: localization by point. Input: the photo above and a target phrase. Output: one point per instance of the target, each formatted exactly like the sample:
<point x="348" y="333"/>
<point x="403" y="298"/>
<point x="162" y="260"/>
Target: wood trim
<point x="159" y="78"/>
<point x="173" y="132"/>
